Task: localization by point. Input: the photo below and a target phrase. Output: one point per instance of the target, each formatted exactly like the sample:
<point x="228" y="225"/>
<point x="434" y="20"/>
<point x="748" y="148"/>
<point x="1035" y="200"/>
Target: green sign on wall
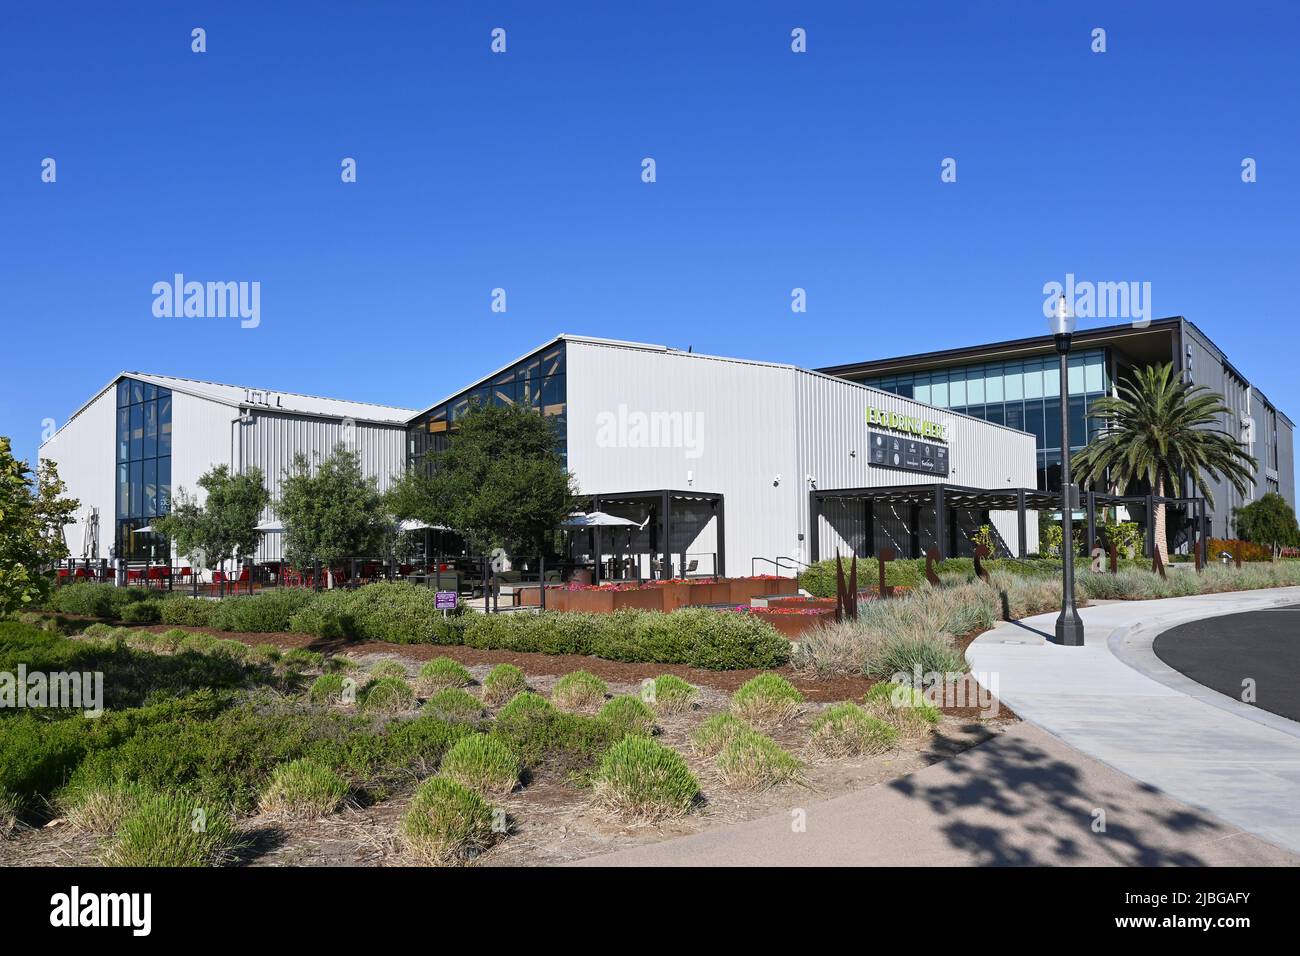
<point x="906" y="423"/>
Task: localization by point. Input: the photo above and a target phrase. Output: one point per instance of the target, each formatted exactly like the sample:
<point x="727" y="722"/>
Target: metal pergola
<point x="946" y="499"/>
<point x="659" y="503"/>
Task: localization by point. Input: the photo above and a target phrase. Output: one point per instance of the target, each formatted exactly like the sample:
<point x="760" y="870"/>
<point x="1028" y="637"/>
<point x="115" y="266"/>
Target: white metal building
<point x="125" y="451"/>
<point x="716" y="460"/>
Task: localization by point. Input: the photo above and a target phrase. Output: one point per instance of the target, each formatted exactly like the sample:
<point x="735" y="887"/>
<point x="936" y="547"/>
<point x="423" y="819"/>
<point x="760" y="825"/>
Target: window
<point x="144" y="445"/>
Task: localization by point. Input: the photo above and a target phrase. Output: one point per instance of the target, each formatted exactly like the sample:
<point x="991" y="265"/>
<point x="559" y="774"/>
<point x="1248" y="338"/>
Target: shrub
<point x="388" y="669"/>
<point x="699" y="637"/>
<point x="97" y="600"/>
<point x="234" y="650"/>
<point x="483" y="763"/>
<point x="669" y="694"/>
<point x="715" y="733"/>
<point x="304" y="788"/>
<point x="187" y="611"/>
<point x="262" y="613"/>
<point x="447" y="823"/>
<point x="197" y="644"/>
<point x="387" y="695"/>
<point x="753" y="761"/>
<point x="846" y="730"/>
<point x="170" y="640"/>
<point x="628" y="715"/>
<point x="141" y="612"/>
<point x="442" y="673"/>
<point x="139" y="640"/>
<point x="301" y="658"/>
<point x="172" y="829"/>
<point x="767" y="700"/>
<point x="903" y="707"/>
<point x="328" y="616"/>
<point x="95" y="630"/>
<point x="577" y="690"/>
<point x="542" y="735"/>
<point x="264" y="654"/>
<point x="502" y="683"/>
<point x="455" y="704"/>
<point x="328" y="689"/>
<point x="643" y="778"/>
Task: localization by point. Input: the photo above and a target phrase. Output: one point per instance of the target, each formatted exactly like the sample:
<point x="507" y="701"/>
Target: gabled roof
<point x="269" y="400"/>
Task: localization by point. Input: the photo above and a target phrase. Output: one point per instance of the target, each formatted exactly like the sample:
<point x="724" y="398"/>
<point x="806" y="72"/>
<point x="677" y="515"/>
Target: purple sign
<point x="444" y="601"/>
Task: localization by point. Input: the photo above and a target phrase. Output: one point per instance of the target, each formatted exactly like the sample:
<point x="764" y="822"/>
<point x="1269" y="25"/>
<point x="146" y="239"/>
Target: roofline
<point x="394" y="422"/>
<point x="1169" y="323"/>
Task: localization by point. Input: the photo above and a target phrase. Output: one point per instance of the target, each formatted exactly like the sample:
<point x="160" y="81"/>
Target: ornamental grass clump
<point x="642" y="778"/>
<point x="768" y="700"/>
<point x="628" y="715"/>
<point x="170" y="830"/>
<point x="502" y="683"/>
<point x="754" y="761"/>
<point x="169" y="641"/>
<point x="904" y="708"/>
<point x="100" y="808"/>
<point x="305" y="789"/>
<point x="387" y="695"/>
<point x="197" y="644"/>
<point x="447" y="823"/>
<point x="846" y="730"/>
<point x="483" y="763"/>
<point x="440" y="674"/>
<point x="10" y="806"/>
<point x="455" y="704"/>
<point x="388" y="669"/>
<point x="715" y="733"/>
<point x="668" y="694"/>
<point x="332" y="689"/>
<point x="577" y="690"/>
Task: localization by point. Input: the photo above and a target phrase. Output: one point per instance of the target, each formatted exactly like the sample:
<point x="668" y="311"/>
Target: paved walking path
<point x="1114" y="700"/>
<point x="1029" y="798"/>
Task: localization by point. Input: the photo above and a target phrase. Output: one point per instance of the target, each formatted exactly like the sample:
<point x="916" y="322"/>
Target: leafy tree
<point x="1270" y="521"/>
<point x="33" y="513"/>
<point x="332" y="511"/>
<point x="499" y="483"/>
<point x="226" y="523"/>
<point x="1159" y="428"/>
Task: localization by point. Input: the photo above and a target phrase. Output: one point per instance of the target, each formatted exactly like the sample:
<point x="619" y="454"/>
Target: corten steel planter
<point x="793" y="625"/>
<point x="743" y="589"/>
<point x="605" y="602"/>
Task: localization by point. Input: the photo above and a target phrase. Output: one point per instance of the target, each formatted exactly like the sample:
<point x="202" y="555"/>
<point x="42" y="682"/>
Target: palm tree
<point x="1160" y="428"/>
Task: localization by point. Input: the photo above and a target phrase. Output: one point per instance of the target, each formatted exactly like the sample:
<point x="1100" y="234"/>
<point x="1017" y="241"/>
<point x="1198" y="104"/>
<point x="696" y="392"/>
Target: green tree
<point x="1270" y="521"/>
<point x="499" y="483"/>
<point x="33" y="514"/>
<point x="332" y="511"/>
<point x="226" y="523"/>
<point x="1160" y="428"/>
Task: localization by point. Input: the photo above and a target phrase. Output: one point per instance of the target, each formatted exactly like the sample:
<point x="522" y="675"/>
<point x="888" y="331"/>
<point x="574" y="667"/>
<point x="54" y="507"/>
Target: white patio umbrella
<point x="598" y="520"/>
<point x="271" y="527"/>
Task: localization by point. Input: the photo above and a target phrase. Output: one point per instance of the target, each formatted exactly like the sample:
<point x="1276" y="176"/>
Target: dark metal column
<point x="914" y="530"/>
<point x="814" y="521"/>
<point x="720" y="508"/>
<point x="869" y="524"/>
<point x="940" y="522"/>
<point x="665" y="521"/>
<point x="1021" y="529"/>
<point x="1092" y="521"/>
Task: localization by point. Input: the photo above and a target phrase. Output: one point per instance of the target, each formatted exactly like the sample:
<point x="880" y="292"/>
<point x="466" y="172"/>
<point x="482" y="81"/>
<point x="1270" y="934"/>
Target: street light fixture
<point x="1069" y="626"/>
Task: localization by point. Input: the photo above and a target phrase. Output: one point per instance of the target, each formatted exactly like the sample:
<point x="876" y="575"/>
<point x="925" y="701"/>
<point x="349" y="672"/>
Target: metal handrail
<point x="777" y="564"/>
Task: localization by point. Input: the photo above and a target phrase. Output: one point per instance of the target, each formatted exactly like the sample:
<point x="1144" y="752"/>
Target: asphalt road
<point x="1223" y="652"/>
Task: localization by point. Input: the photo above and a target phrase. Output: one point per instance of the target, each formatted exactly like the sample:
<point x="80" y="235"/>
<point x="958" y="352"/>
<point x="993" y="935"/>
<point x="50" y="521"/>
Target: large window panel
<point x="150" y="449"/>
<point x="1033" y="379"/>
<point x="1052" y="424"/>
<point x="1013" y="382"/>
<point x="975" y="391"/>
<point x="164" y="424"/>
<point x="137" y="432"/>
<point x="150" y="487"/>
<point x="957" y="390"/>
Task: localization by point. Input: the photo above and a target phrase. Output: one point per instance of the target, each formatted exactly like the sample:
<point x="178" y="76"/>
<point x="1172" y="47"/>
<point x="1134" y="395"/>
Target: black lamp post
<point x="1069" y="626"/>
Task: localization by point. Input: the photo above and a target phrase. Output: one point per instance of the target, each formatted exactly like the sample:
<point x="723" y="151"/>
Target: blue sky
<point x="522" y="171"/>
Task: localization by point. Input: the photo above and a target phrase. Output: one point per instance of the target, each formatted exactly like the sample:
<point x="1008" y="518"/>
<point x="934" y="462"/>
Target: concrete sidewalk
<point x="1114" y="700"/>
<point x="1021" y="799"/>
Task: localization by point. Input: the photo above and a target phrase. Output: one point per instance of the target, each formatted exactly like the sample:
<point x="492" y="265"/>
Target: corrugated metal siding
<point x="85" y="450"/>
<point x="766" y="429"/>
<point x="271" y="441"/>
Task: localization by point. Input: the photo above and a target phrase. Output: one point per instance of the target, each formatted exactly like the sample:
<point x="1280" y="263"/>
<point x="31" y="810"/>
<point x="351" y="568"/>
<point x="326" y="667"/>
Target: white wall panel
<point x="85" y="451"/>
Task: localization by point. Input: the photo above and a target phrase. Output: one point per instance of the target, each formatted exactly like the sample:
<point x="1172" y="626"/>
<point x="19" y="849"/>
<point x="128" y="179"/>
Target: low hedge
<point x="98" y="600"/>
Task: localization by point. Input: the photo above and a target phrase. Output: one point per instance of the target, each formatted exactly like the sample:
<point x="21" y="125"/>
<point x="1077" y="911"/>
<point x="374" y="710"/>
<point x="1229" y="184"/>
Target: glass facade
<point x="1023" y="394"/>
<point x="144" y="467"/>
<point x="537" y="382"/>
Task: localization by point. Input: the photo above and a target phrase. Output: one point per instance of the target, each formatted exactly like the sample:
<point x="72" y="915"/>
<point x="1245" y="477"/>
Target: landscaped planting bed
<point x="291" y="780"/>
